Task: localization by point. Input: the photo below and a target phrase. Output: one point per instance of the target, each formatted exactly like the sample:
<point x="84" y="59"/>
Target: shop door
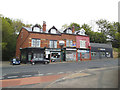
<point x="78" y="56"/>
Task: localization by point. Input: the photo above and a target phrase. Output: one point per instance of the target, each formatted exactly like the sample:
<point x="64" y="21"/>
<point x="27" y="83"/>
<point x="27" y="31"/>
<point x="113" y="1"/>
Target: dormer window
<point x="69" y="31"/>
<point x="36" y="29"/>
<point x="53" y="31"/>
<point x="81" y="32"/>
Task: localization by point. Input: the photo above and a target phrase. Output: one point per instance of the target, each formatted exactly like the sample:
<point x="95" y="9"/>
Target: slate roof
<point x="101" y="45"/>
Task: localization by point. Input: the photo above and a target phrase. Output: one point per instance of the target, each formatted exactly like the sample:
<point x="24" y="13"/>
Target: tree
<point x="87" y="29"/>
<point x="64" y="26"/>
<point x="8" y="39"/>
<point x="77" y="26"/>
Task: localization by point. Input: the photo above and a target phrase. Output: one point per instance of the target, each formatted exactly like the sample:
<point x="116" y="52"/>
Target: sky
<point x="60" y="12"/>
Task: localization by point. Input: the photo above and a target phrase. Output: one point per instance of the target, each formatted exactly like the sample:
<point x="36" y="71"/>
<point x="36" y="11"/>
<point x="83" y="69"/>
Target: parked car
<point x="15" y="61"/>
<point x="39" y="60"/>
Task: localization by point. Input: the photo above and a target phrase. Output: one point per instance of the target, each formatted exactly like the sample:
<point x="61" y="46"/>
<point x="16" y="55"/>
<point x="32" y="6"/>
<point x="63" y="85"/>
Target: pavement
<point x="92" y="78"/>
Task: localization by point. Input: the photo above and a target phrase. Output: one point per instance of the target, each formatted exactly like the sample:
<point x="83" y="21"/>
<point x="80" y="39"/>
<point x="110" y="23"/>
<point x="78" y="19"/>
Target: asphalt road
<point x="22" y="71"/>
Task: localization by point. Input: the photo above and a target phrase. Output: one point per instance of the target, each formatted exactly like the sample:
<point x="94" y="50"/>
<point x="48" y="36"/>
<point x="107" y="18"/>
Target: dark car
<point x="39" y="60"/>
<point x="15" y="61"/>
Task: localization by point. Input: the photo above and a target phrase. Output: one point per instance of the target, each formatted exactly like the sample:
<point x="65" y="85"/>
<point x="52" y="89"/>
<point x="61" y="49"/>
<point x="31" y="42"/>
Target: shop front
<point x="70" y="54"/>
<point x="54" y="55"/>
<point x="99" y="51"/>
<point x="83" y="55"/>
<point x="28" y="54"/>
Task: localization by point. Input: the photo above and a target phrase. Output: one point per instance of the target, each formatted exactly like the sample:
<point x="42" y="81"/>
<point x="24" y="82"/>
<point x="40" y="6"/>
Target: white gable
<point x="69" y="31"/>
<point x="53" y="31"/>
<point x="82" y="32"/>
<point x="36" y="29"/>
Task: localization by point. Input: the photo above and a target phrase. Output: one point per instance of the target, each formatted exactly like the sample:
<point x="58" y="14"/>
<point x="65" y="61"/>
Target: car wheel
<point x="46" y="63"/>
<point x="33" y="63"/>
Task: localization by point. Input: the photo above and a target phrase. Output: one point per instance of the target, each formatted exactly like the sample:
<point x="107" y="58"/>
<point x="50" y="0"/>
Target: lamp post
<point x="61" y="43"/>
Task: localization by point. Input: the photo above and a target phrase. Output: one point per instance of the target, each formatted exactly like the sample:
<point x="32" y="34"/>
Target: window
<point x="82" y="44"/>
<point x="53" y="31"/>
<point x="53" y="44"/>
<point x="69" y="43"/>
<point x="69" y="31"/>
<point x="35" y="42"/>
<point x="93" y="53"/>
<point x="36" y="29"/>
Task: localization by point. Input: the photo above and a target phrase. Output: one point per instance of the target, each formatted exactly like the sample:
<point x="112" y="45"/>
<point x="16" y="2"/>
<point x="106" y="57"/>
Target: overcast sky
<point x="60" y="12"/>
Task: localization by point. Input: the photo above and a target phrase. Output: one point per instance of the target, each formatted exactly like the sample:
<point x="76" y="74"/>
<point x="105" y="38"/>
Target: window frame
<point x="53" y="43"/>
<point x="36" y="42"/>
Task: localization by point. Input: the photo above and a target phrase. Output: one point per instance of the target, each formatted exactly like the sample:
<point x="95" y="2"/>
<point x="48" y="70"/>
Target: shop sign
<point x="70" y="49"/>
<point x="53" y="49"/>
<point x="83" y="51"/>
<point x="47" y="52"/>
<point x="102" y="49"/>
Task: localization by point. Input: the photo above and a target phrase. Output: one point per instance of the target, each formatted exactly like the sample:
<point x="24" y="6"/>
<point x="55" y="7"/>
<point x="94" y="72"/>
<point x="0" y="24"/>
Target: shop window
<point x="38" y="55"/>
<point x="108" y="54"/>
<point x="69" y="43"/>
<point x="55" y="55"/>
<point x="82" y="44"/>
<point x="35" y="42"/>
<point x="53" y="43"/>
<point x="102" y="54"/>
<point x="93" y="53"/>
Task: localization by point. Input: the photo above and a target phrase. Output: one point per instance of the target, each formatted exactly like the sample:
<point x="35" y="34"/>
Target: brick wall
<point x="22" y="41"/>
<point x="25" y="39"/>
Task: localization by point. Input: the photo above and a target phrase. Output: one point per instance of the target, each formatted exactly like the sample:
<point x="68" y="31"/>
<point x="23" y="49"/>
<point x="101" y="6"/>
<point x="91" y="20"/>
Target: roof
<point x="101" y="45"/>
<point x="29" y="29"/>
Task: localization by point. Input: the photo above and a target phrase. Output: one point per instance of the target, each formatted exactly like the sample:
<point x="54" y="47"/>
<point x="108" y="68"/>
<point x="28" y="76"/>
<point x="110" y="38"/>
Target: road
<point x="54" y="70"/>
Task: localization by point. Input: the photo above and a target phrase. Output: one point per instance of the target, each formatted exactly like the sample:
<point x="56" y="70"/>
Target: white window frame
<point x="35" y="42"/>
<point x="69" y="43"/>
<point x="82" y="44"/>
<point x="53" y="43"/>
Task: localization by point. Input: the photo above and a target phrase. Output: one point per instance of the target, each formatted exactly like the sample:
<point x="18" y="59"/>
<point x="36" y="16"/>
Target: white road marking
<point x="49" y="73"/>
<point x="12" y="76"/>
<point x="26" y="75"/>
<point x="60" y="72"/>
<point x="40" y="74"/>
<point x="69" y="71"/>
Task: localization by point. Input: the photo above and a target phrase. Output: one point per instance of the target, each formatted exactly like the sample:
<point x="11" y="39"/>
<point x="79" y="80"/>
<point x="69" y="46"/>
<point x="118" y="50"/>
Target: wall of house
<point x="85" y="38"/>
<point x="65" y="37"/>
<point x="45" y="38"/>
<point x="22" y="41"/>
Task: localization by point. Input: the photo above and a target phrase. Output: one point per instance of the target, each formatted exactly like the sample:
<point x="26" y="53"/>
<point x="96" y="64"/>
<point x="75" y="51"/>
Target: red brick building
<point x="40" y="43"/>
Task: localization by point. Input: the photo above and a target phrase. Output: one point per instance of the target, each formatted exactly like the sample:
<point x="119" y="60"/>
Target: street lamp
<point x="61" y="43"/>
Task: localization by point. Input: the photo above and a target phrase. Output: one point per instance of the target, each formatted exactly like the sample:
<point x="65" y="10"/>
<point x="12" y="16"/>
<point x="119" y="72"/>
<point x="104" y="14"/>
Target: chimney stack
<point x="73" y="29"/>
<point x="44" y="26"/>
